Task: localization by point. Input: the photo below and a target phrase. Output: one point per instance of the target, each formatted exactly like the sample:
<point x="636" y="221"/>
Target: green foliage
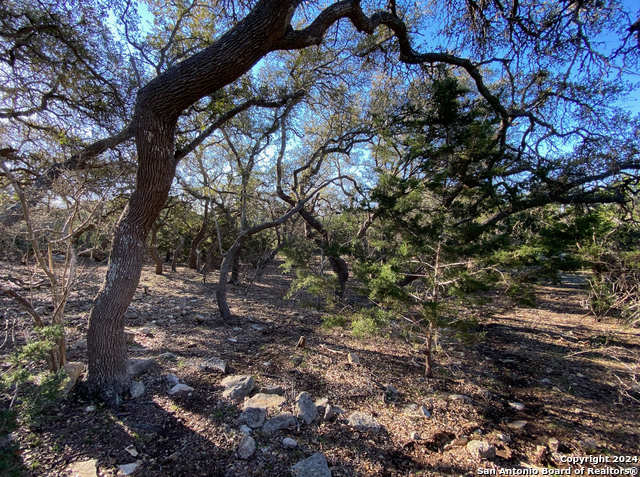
<point x="319" y="285"/>
<point x="370" y="322"/>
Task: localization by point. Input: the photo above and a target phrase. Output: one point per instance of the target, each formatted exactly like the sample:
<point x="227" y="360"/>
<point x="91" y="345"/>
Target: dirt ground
<point x="576" y="379"/>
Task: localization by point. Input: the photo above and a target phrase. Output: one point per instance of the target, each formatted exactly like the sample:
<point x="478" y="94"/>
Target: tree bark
<point x="197" y="240"/>
<point x="153" y="249"/>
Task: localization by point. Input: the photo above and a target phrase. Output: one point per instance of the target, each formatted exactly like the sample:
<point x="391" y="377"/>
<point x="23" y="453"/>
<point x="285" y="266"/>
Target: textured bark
<point x="197" y="240"/>
<point x="153" y="249"/>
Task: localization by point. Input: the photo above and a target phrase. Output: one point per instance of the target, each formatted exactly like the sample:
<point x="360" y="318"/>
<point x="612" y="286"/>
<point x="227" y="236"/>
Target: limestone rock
<point x="136" y="389"/>
<point x="180" y="388"/>
<point x="364" y="422"/>
<point x="553" y="444"/>
<point x="517" y="406"/>
<point x="332" y="411"/>
<point x="237" y="387"/>
<point x="391" y="389"/>
<point x="247" y="447"/>
<point x="246" y="430"/>
<point x="321" y="405"/>
<point x="264" y="401"/>
<point x="284" y="420"/>
<point x="503" y="438"/>
<point x="305" y="409"/>
<point x="253" y="417"/>
<point x="87" y="468"/>
<point x="74" y="371"/>
<point x="424" y="412"/>
<point x="481" y="449"/>
<point x="589" y="444"/>
<point x="214" y="364"/>
<point x="138" y="366"/>
<point x="128" y="469"/>
<point x="289" y="443"/>
<point x="460" y="397"/>
<point x="271" y="389"/>
<point x="353" y="358"/>
<point x="540" y="454"/>
<point x="314" y="466"/>
<point x="415" y="436"/>
<point x="517" y="424"/>
<point x="172" y="379"/>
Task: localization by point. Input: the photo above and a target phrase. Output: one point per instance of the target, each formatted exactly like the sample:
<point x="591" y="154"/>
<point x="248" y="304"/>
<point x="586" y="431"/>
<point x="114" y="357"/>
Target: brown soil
<point x="573" y="375"/>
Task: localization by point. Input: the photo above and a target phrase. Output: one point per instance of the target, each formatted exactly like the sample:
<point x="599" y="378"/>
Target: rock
<point x="481" y="449"/>
<point x="271" y="389"/>
<point x="168" y="356"/>
<point x="74" y="370"/>
<point x="199" y="319"/>
<point x="289" y="443"/>
<point x="180" y="388"/>
<point x="363" y="422"/>
<point x="305" y="409"/>
<point x="128" y="469"/>
<point x="80" y="344"/>
<point x="237" y="387"/>
<point x="332" y="411"/>
<point x="321" y="405"/>
<point x="90" y="408"/>
<point x="459" y="442"/>
<point x="247" y="447"/>
<point x="517" y="424"/>
<point x="503" y="438"/>
<point x="265" y="401"/>
<point x="253" y="417"/>
<point x="415" y="436"/>
<point x="460" y="397"/>
<point x="214" y="364"/>
<point x="284" y="420"/>
<point x="172" y="379"/>
<point x="424" y="412"/>
<point x="314" y="466"/>
<point x="353" y="358"/>
<point x="138" y="366"/>
<point x="545" y="381"/>
<point x="589" y="444"/>
<point x="132" y="450"/>
<point x="553" y="444"/>
<point x="246" y="430"/>
<point x="517" y="406"/>
<point x="540" y="454"/>
<point x="390" y="389"/>
<point x="87" y="468"/>
<point x="136" y="389"/>
<point x="297" y="360"/>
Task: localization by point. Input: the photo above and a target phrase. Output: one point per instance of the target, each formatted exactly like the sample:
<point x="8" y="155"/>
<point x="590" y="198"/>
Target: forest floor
<point x="576" y="379"/>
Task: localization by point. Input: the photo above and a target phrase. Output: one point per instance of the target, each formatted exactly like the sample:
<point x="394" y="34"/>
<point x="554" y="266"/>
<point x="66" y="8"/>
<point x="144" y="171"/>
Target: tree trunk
<point x="221" y="292"/>
<point x="235" y="267"/>
<point x="197" y="240"/>
<point x="176" y="255"/>
<point x="153" y="248"/>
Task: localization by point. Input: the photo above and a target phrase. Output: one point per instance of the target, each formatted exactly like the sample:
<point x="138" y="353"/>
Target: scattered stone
<point x="390" y="389"/>
<point x="314" y="466"/>
<point x="364" y="422"/>
<point x="138" y="366"/>
<point x="297" y="360"/>
<point x="481" y="449"/>
<point x="90" y="408"/>
<point x="459" y="442"/>
<point x="545" y="381"/>
<point x="87" y="468"/>
<point x="136" y="389"/>
<point x="589" y="444"/>
<point x="257" y="327"/>
<point x="517" y="406"/>
<point x="460" y="397"/>
<point x="289" y="443"/>
<point x="128" y="469"/>
<point x="237" y="387"/>
<point x="321" y="405"/>
<point x="284" y="420"/>
<point x="74" y="370"/>
<point x="168" y="356"/>
<point x="353" y="358"/>
<point x="503" y="438"/>
<point x="415" y="436"/>
<point x="180" y="388"/>
<point x="553" y="444"/>
<point x="132" y="450"/>
<point x="424" y="412"/>
<point x="80" y="344"/>
<point x="253" y="417"/>
<point x="271" y="389"/>
<point x="265" y="401"/>
<point x="4" y="440"/>
<point x="332" y="411"/>
<point x="302" y="342"/>
<point x="517" y="424"/>
<point x="146" y="331"/>
<point x="578" y="411"/>
<point x="246" y="430"/>
<point x="247" y="447"/>
<point x="215" y="364"/>
<point x="233" y="340"/>
<point x="305" y="409"/>
<point x="541" y="453"/>
<point x="199" y="319"/>
<point x="172" y="379"/>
